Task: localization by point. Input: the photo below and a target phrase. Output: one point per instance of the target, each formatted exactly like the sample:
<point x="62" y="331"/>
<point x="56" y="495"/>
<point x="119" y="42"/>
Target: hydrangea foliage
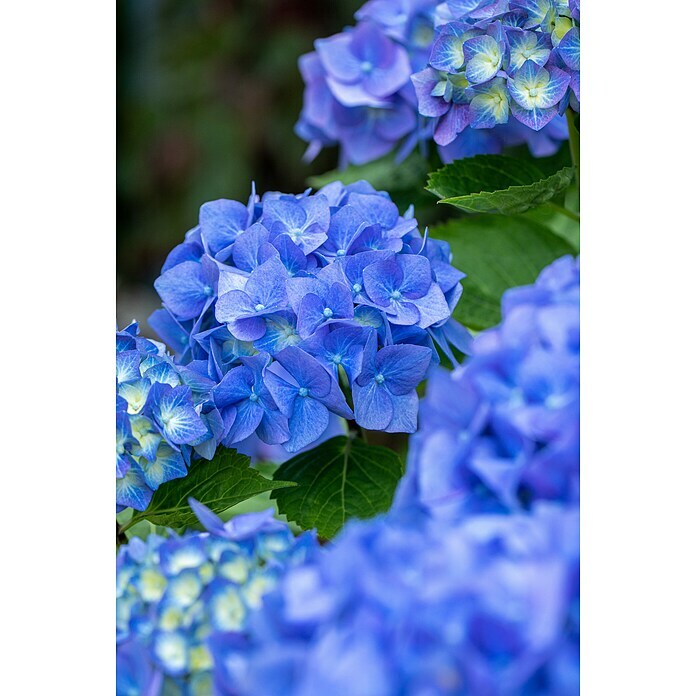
<point x="503" y="430"/>
<point x="472" y="75"/>
<point x="174" y="593"/>
<point x="158" y="425"/>
<point x="488" y="605"/>
<point x="282" y="307"/>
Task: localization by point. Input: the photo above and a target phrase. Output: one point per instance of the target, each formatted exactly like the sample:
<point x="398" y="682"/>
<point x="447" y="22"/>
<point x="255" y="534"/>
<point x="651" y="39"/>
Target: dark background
<point x="208" y="94"/>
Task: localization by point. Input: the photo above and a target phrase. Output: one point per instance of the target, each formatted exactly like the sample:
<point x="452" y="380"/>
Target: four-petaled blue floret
<point x="173" y="594"/>
<point x="453" y="72"/>
<point x="502" y="431"/>
<point x="280" y="310"/>
<point x="160" y="419"/>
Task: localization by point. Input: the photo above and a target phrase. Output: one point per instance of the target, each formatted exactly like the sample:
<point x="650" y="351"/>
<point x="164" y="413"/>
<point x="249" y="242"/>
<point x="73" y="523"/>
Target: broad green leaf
<point x="497" y="184"/>
<point x="383" y="173"/>
<point x="496" y="253"/>
<point x="220" y="483"/>
<point x="338" y="480"/>
<point x="558" y="223"/>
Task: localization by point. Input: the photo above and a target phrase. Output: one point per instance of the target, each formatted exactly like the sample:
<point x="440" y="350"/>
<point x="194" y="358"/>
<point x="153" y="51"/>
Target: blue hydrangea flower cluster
<point x="158" y="423"/>
<point x="453" y="72"/>
<point x="174" y="593"/>
<point x="488" y="605"/>
<point x="282" y="307"/>
<point x="502" y="431"/>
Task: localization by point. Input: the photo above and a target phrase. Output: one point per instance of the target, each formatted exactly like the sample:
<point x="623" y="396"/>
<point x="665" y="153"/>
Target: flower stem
<point x="564" y="211"/>
<point x="574" y="142"/>
<point x="121" y="537"/>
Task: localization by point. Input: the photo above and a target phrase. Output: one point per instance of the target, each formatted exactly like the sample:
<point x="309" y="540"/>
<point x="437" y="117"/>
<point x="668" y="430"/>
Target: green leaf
<point x="497" y="184"/>
<point x="496" y="253"/>
<point x="220" y="483"/>
<point x="341" y="479"/>
<point x="383" y="173"/>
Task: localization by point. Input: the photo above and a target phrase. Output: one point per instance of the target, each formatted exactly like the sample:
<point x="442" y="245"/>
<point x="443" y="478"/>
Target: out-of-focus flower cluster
<point x="503" y="430"/>
<point x="157" y="423"/>
<point x="280" y="308"/>
<point x="488" y="605"/>
<point x="174" y="593"/>
<point x="454" y="72"/>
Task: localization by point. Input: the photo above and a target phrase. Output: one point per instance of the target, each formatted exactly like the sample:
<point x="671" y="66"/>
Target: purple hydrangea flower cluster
<point x="173" y="593"/>
<point x="488" y="605"/>
<point x="158" y="424"/>
<point x="502" y="431"/>
<point x="282" y="307"/>
<point x="452" y="72"/>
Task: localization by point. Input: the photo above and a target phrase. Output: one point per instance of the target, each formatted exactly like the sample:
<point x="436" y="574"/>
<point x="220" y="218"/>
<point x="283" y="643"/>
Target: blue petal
<point x="187" y="251"/>
<point x="273" y="428"/>
<point x="569" y="48"/>
<point x="403" y="367"/>
<point x="234" y="387"/>
<point x="281" y="332"/>
<point x="210" y="521"/>
<point x="170" y="331"/>
<point x="373" y="405"/>
<point x="308" y="421"/>
<point x="173" y="412"/>
<point x="168" y="465"/>
<point x="183" y="290"/>
<point x="405" y="418"/>
<point x="252" y="248"/>
<point x="536" y="119"/>
<point x="163" y="372"/>
<point x="311" y="315"/>
<point x="132" y="491"/>
<point x="247" y="418"/>
<point x="146" y="436"/>
<point x="432" y="307"/>
<point x="447" y="53"/>
<point x="306" y="370"/>
<point x="291" y="256"/>
<point x="484" y="58"/>
<point x="127" y="365"/>
<point x="221" y="222"/>
<point x="266" y="286"/>
<point x="135" y="393"/>
<point x="284" y="393"/>
<point x="336" y="402"/>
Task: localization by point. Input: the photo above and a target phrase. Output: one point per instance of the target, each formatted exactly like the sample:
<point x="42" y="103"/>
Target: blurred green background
<point x="208" y="94"/>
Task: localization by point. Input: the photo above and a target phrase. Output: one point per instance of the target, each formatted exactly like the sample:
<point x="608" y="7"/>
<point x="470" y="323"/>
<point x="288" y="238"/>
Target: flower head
<point x="304" y="286"/>
<point x="503" y="430"/>
<point x="468" y="74"/>
<point x="173" y="594"/>
<point x="157" y="422"/>
<point x="487" y="605"/>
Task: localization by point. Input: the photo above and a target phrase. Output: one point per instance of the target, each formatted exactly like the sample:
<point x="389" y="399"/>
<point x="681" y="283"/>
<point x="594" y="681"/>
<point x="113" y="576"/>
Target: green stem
<point x="574" y="141"/>
<point x="564" y="211"/>
<point x="353" y="427"/>
<point x="121" y="537"/>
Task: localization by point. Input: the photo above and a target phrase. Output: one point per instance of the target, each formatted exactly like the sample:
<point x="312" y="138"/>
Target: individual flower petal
<point x="484" y="57"/>
<point x="308" y="421"/>
<point x="373" y="405"/>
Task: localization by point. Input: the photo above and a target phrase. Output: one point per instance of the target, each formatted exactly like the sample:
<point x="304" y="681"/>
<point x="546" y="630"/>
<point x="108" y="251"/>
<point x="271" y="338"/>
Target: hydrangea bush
<point x="301" y="330"/>
<point x="475" y="76"/>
